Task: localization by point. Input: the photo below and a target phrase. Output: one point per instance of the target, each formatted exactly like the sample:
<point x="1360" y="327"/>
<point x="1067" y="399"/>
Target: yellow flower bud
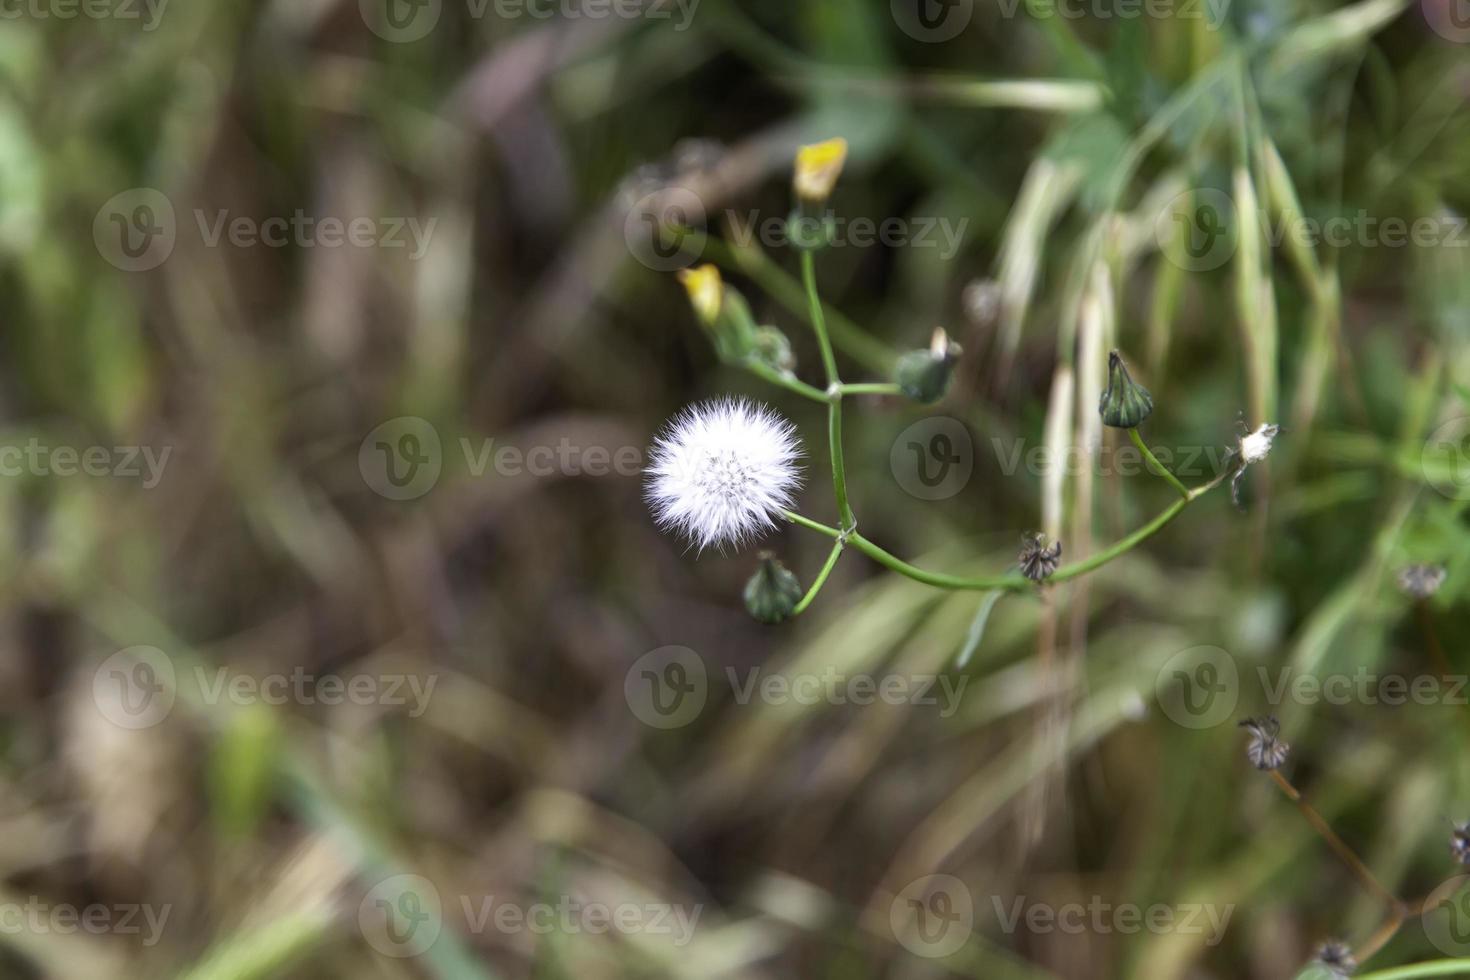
<point x="817" y="168"/>
<point x="706" y="291"/>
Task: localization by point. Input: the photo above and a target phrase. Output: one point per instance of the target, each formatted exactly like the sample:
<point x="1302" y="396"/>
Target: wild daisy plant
<point x="725" y="472"/>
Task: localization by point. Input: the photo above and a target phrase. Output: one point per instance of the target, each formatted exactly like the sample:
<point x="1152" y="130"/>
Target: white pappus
<point x="722" y="471"/>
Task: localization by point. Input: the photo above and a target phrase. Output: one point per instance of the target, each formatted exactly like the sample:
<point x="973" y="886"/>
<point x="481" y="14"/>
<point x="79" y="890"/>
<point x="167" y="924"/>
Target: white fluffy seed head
<point x="722" y="471"/>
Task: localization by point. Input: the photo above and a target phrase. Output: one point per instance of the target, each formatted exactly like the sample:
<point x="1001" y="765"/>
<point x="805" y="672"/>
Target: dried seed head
<point x="1338" y="958"/>
<point x="1460" y="843"/>
<point x="1421" y="581"/>
<point x="1256" y="446"/>
<point x="1252" y="447"/>
<point x="1037" y="561"/>
<point x="1266" y="749"/>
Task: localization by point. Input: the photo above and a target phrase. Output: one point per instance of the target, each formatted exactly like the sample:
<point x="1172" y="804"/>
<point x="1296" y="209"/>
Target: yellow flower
<point x="706" y="291"/>
<point x="817" y="168"/>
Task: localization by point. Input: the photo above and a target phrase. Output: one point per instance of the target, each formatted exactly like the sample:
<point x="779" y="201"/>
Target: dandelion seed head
<point x="722" y="472"/>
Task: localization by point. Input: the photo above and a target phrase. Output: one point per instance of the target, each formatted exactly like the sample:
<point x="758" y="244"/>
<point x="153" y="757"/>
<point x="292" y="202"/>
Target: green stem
<point x="937" y="579"/>
<point x="1434" y="968"/>
<point x="819" y="320"/>
<point x="846" y="335"/>
<point x="872" y="388"/>
<point x="834" y="389"/>
<point x="812" y="525"/>
<point x="811" y="593"/>
<point x="1013" y="583"/>
<point x="1158" y="467"/>
<point x="762" y="370"/>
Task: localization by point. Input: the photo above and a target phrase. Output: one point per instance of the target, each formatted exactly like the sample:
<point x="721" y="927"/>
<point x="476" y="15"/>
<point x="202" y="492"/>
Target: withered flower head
<point x="1266" y="750"/>
<point x="1460" y="843"/>
<point x="1037" y="561"/>
<point x="1421" y="581"/>
<point x="1338" y="958"/>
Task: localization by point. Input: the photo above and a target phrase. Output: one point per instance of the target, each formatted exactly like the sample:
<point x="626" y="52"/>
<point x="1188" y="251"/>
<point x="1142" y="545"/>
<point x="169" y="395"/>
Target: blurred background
<point x="334" y="622"/>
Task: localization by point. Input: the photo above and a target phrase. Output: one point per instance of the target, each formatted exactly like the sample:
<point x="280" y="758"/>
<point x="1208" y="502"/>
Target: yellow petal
<point x="706" y="291"/>
<point x="817" y="168"/>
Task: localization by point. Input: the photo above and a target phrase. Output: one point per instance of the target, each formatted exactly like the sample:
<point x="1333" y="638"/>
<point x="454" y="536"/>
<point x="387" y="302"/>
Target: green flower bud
<point x="772" y="593"/>
<point x="924" y="375"/>
<point x="1125" y="404"/>
<point x="810" y="232"/>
